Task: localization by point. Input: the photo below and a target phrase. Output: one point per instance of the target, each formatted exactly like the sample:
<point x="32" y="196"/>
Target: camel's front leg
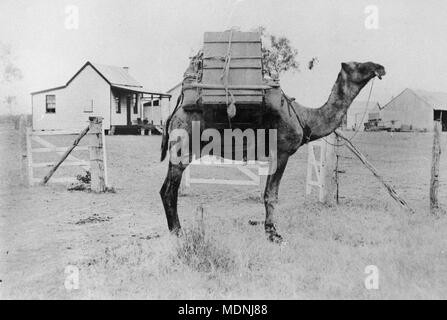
<point x="169" y="195"/>
<point x="271" y="198"/>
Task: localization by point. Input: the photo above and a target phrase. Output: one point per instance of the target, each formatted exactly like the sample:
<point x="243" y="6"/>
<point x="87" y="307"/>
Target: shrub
<point x="203" y="253"/>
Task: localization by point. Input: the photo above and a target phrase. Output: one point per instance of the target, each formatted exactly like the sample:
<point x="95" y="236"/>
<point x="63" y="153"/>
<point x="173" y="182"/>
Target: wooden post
<point x="21" y="127"/>
<point x="137" y="105"/>
<point x="64" y="156"/>
<point x="311" y="166"/>
<point x="323" y="164"/>
<point x="96" y="155"/>
<point x="337" y="170"/>
<point x="200" y="220"/>
<point x="104" y="150"/>
<point x="328" y="168"/>
<point x="29" y="155"/>
<point x="436" y="156"/>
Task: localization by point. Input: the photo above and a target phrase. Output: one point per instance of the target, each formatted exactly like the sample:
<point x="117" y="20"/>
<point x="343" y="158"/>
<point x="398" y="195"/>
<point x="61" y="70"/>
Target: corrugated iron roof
<point x="141" y="90"/>
<point x="437" y="100"/>
<point x="116" y="75"/>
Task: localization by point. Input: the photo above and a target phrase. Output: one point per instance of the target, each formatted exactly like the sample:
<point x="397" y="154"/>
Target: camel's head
<point x="362" y="72"/>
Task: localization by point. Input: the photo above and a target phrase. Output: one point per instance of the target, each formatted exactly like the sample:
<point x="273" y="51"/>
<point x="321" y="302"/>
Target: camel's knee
<point x="270" y="198"/>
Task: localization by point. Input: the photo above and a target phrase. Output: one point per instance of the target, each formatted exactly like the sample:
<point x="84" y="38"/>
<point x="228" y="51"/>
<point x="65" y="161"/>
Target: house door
<point x="129" y="110"/>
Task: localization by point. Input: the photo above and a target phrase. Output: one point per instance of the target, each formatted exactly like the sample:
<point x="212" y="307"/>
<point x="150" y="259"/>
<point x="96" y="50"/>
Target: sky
<point x="155" y="38"/>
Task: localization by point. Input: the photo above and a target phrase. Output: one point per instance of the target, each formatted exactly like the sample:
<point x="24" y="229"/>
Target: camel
<point x="294" y="129"/>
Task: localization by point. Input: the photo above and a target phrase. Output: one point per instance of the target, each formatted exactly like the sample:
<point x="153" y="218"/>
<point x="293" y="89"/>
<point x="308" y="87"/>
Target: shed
<point x="416" y="109"/>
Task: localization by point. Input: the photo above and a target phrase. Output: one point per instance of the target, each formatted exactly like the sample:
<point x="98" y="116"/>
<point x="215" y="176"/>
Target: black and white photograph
<point x="232" y="152"/>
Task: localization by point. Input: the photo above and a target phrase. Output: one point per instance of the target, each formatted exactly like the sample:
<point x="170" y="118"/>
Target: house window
<point x="117" y="99"/>
<point x="50" y="103"/>
<point x="153" y="103"/>
<point x="88" y="107"/>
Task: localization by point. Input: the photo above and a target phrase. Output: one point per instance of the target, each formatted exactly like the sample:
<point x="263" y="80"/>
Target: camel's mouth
<point x="380" y="73"/>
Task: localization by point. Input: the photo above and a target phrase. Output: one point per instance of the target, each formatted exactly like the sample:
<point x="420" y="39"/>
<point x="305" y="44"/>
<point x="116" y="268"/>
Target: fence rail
<point x="48" y="147"/>
<point x="97" y="163"/>
<point x="252" y="179"/>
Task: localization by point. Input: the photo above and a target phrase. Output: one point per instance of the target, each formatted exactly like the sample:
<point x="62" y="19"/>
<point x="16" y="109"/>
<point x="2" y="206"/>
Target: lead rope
<point x="307" y="137"/>
<point x="231" y="107"/>
<point x="363" y="118"/>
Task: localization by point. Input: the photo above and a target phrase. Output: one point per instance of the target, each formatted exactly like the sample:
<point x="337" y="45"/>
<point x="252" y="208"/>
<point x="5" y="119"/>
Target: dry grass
<point x="323" y="258"/>
<point x="203" y="253"/>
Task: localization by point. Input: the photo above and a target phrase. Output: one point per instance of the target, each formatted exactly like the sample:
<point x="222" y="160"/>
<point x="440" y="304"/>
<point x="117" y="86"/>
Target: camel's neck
<point x="324" y="120"/>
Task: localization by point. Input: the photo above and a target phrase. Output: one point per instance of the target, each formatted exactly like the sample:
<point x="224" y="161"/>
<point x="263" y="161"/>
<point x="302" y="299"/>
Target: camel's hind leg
<point x="169" y="195"/>
<point x="271" y="198"/>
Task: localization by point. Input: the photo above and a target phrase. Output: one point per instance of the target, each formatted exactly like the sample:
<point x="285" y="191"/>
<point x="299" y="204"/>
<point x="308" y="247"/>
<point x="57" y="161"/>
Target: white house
<point x="95" y="90"/>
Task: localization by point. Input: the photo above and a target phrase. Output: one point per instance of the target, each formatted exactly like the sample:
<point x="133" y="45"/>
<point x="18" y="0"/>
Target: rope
<point x="224" y="77"/>
<point x="358" y="128"/>
<point x="290" y="106"/>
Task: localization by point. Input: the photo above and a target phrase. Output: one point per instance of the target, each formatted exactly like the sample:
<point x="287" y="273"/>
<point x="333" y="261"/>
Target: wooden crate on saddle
<point x="232" y="60"/>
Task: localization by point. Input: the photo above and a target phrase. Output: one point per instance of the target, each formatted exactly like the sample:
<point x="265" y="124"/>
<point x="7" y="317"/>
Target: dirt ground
<point x="120" y="244"/>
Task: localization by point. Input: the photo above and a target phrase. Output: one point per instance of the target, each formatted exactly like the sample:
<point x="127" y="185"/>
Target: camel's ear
<point x="345" y="66"/>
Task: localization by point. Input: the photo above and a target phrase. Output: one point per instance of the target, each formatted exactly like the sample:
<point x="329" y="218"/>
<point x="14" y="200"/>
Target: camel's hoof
<point x="272" y="234"/>
<point x="275" y="238"/>
<point x="177" y="232"/>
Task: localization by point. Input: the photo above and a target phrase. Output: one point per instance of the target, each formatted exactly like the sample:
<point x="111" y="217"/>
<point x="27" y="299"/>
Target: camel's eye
<point x="363" y="70"/>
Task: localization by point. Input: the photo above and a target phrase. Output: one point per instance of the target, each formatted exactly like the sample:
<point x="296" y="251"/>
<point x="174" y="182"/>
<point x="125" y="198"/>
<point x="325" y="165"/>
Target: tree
<point x="9" y="73"/>
<point x="278" y="55"/>
<point x="10" y="101"/>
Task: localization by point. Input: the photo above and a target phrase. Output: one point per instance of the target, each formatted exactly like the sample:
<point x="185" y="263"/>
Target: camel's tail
<point x="165" y="140"/>
<point x="165" y="137"/>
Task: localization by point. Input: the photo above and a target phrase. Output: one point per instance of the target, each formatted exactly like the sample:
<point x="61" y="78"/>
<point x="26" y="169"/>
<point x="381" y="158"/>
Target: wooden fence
<point x="325" y="167"/>
<point x="97" y="163"/>
<point x="251" y="178"/>
<point x="320" y="168"/>
<point x="48" y="147"/>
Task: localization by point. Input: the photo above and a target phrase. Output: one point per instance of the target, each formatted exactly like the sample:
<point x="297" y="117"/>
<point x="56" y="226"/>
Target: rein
<point x="302" y="125"/>
<point x="363" y="118"/>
